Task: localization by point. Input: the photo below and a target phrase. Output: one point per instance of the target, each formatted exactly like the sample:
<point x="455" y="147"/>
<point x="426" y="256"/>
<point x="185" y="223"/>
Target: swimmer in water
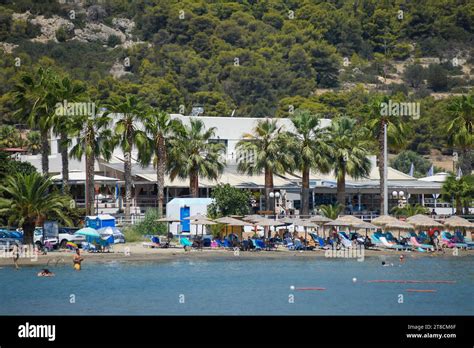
<point x="402" y="258"/>
<point x="77" y="260"/>
<point x="45" y="273"/>
<point x="386" y="264"/>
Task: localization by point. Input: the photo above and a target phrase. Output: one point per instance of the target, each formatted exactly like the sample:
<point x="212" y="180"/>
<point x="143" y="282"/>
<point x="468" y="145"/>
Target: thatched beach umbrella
<point x="365" y="225"/>
<point x="305" y="223"/>
<point x="400" y="225"/>
<point x="382" y="220"/>
<point x="230" y="221"/>
<point x="202" y="222"/>
<point x="252" y="218"/>
<point x="423" y="221"/>
<point x="320" y="221"/>
<point x="196" y="217"/>
<point x="457" y="221"/>
<point x="265" y="222"/>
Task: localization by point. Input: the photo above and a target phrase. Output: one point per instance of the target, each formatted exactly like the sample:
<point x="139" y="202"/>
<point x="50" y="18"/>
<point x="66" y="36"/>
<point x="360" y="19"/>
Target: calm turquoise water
<point x="238" y="286"/>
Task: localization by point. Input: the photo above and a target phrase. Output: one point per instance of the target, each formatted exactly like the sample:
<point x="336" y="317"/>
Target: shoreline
<point x="135" y="252"/>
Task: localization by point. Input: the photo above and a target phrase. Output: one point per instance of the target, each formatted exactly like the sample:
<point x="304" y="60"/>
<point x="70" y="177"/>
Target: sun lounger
<point x="463" y="239"/>
<point x="346" y="242"/>
<point x="153" y="243"/>
<point x="448" y="240"/>
<point x="416" y="244"/>
<point x="289" y="243"/>
<point x="185" y="242"/>
<point x="392" y="245"/>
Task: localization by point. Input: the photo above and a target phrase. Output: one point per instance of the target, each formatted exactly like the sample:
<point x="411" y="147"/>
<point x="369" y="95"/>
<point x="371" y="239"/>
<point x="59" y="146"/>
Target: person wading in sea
<point x="16" y="254"/>
<point x="77" y="259"/>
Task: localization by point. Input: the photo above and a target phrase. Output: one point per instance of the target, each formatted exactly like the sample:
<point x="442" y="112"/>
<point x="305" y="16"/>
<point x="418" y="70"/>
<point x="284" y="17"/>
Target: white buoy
<point x="292" y="287"/>
<point x="354" y="280"/>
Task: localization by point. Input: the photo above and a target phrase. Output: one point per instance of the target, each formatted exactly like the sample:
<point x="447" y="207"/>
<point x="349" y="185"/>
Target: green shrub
<point x="132" y="235"/>
<point x="149" y="225"/>
<point x="113" y="41"/>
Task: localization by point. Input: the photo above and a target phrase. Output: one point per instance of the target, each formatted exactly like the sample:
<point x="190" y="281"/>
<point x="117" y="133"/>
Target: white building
<point x="362" y="195"/>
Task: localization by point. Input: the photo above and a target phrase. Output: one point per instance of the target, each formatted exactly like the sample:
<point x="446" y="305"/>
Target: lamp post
<point x="400" y="195"/>
<point x="274" y="195"/>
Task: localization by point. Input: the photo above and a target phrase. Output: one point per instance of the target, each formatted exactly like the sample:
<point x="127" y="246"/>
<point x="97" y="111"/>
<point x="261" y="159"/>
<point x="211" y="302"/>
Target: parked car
<point x="6" y="242"/>
<point x="52" y="242"/>
<point x="66" y="234"/>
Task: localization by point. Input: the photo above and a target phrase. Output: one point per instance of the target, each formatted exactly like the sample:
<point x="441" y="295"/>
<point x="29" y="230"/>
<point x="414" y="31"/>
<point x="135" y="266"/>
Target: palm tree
<point x="331" y="211"/>
<point x="461" y="130"/>
<point x="457" y="190"/>
<point x="310" y="147"/>
<point x="64" y="90"/>
<point x="93" y="140"/>
<point x="409" y="210"/>
<point x="28" y="199"/>
<point x="35" y="106"/>
<point x="131" y="111"/>
<point x="33" y="142"/>
<point x="396" y="136"/>
<point x="265" y="150"/>
<point x="349" y="151"/>
<point x="160" y="128"/>
<point x="192" y="154"/>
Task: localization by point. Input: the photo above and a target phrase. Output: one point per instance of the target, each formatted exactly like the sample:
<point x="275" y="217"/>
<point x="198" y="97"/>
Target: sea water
<point x="238" y="286"/>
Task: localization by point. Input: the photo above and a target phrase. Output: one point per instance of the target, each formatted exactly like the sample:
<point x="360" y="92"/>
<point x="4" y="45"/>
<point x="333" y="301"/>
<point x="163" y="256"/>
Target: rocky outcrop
<point x="7" y="47"/>
<point x="97" y="32"/>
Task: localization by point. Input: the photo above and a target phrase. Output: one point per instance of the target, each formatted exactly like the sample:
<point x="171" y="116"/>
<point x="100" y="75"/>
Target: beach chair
<point x="414" y="242"/>
<point x="153" y="243"/>
<point x="448" y="240"/>
<point x="346" y="242"/>
<point x="462" y="239"/>
<point x="185" y="242"/>
<point x="256" y="246"/>
<point x="297" y="245"/>
<point x="288" y="242"/>
<point x="392" y="245"/>
<point x="220" y="243"/>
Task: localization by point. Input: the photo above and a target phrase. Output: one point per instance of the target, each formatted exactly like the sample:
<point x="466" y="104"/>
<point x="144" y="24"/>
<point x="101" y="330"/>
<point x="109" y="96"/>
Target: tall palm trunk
<point x="305" y="191"/>
<point x="65" y="161"/>
<point x="28" y="229"/>
<point x="90" y="184"/>
<point x="160" y="173"/>
<point x="128" y="182"/>
<point x="269" y="203"/>
<point x="45" y="148"/>
<point x="194" y="184"/>
<point x="381" y="161"/>
<point x="341" y="188"/>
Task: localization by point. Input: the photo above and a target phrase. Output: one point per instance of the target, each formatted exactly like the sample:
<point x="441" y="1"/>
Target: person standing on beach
<point x="77" y="259"/>
<point x="16" y="254"/>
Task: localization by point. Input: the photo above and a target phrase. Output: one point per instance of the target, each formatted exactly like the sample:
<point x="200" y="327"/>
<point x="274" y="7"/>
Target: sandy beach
<point x="135" y="252"/>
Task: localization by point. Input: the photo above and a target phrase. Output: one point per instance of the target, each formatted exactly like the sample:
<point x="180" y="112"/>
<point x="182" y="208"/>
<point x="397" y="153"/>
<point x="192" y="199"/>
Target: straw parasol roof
<point x="287" y="220"/>
<point x="457" y="221"/>
<point x="383" y="220"/>
<point x="196" y="217"/>
<point x="203" y="222"/>
<point x="319" y="218"/>
<point x="232" y="221"/>
<point x="338" y="222"/>
<point x="366" y="225"/>
<point x="267" y="222"/>
<point x="420" y="220"/>
<point x="252" y="218"/>
<point x="400" y="225"/>
<point x="304" y="223"/>
<point x="352" y="220"/>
